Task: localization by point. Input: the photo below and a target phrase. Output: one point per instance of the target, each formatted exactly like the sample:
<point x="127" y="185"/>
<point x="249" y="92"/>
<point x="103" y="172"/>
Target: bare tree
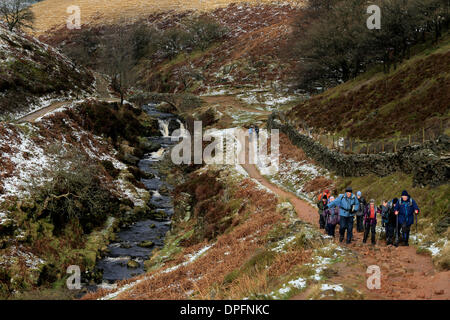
<point x="17" y="14"/>
<point x="118" y="61"/>
<point x="187" y="75"/>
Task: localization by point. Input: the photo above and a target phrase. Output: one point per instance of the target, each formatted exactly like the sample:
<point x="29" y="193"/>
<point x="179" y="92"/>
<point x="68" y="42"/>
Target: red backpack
<point x="325" y="192"/>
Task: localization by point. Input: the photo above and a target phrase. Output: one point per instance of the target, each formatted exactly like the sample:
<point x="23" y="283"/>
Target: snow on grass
<point x="435" y="247"/>
<point x="29" y="161"/>
<point x="320" y="262"/>
<point x="216" y="91"/>
<point x="16" y="254"/>
<point x="267" y="99"/>
<point x="293" y="176"/>
<point x="334" y="287"/>
<point x="286" y="288"/>
<point x="132" y="193"/>
<point x="191" y="259"/>
<point x="283" y="243"/>
<point x="242" y="117"/>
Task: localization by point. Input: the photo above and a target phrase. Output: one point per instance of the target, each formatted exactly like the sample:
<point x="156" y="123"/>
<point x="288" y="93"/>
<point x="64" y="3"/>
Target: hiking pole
<point x="381" y="230"/>
<point x="396" y="231"/>
<point x="416" y="226"/>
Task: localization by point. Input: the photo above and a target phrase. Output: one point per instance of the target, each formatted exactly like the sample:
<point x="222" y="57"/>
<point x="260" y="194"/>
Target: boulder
<point x="128" y="158"/>
<point x="146" y="244"/>
<point x="125" y="245"/>
<point x="133" y="264"/>
<point x="149" y="146"/>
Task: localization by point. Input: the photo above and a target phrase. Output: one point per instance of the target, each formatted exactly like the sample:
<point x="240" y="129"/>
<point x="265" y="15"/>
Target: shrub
<point x="109" y="167"/>
<point x="110" y="120"/>
<point x="73" y="192"/>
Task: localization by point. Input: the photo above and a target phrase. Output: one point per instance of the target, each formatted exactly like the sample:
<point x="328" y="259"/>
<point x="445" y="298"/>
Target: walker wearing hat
<point x="406" y="209"/>
<point x="331" y="219"/>
<point x="321" y="205"/>
<point x="348" y="204"/>
<point x="360" y="212"/>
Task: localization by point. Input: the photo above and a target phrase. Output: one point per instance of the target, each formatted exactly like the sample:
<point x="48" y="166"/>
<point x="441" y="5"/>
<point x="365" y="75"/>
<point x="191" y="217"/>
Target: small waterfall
<point x="158" y="154"/>
<point x="164" y="127"/>
<point x="182" y="128"/>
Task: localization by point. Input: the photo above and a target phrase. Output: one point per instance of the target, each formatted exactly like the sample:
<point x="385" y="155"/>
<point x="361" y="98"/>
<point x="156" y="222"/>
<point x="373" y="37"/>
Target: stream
<point x="126" y="247"/>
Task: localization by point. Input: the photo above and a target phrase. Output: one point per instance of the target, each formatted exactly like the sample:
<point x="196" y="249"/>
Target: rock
<point x="158" y="215"/>
<point x="152" y="226"/>
<point x="149" y="146"/>
<point x="146" y="244"/>
<point x="129" y="159"/>
<point x="132" y="264"/>
<point x="163" y="190"/>
<point x="104" y="250"/>
<point x="147" y="175"/>
<point x="125" y="245"/>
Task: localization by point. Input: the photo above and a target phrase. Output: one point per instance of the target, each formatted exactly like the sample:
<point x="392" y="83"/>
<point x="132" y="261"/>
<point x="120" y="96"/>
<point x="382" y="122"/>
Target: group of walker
<point x="397" y="216"/>
<point x="253" y="128"/>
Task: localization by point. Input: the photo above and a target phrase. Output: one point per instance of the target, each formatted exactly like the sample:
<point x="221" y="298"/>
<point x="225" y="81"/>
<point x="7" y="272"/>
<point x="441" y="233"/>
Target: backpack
<point x="324" y="193"/>
<point x="400" y="201"/>
<point x="333" y="217"/>
<point x="385" y="213"/>
<point x="360" y="211"/>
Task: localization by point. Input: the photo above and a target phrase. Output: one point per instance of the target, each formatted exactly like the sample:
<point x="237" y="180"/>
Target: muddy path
<point x="404" y="273"/>
<point x="102" y="94"/>
<point x="226" y="102"/>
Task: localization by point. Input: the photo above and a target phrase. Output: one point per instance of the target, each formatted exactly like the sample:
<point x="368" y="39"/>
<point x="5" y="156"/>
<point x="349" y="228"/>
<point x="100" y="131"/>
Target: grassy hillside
<point x="377" y="105"/>
<point x="249" y="53"/>
<point x="52" y="13"/>
<point x="32" y="73"/>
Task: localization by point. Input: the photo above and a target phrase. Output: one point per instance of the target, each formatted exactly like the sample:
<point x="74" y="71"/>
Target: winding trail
<point x="103" y="94"/>
<point x="404" y="273"/>
<point x="231" y="101"/>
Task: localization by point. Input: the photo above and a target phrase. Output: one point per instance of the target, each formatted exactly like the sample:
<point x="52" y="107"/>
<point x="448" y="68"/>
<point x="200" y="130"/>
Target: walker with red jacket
<point x="370" y="221"/>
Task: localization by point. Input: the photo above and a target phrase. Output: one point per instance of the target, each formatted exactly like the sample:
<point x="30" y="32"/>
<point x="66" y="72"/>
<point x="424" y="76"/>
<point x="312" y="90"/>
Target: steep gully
<point x="126" y="246"/>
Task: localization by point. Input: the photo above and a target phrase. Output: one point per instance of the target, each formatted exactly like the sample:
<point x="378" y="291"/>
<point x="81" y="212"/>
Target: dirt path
<point x="32" y="117"/>
<point x="230" y="101"/>
<point x="404" y="273"/>
<point x="102" y="92"/>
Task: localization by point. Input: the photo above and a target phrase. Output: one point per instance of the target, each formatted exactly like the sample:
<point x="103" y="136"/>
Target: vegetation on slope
<point x="189" y="51"/>
<point x="63" y="192"/>
<point x="251" y="241"/>
<point x="377" y="105"/>
<point x="335" y="44"/>
<point x="32" y="72"/>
